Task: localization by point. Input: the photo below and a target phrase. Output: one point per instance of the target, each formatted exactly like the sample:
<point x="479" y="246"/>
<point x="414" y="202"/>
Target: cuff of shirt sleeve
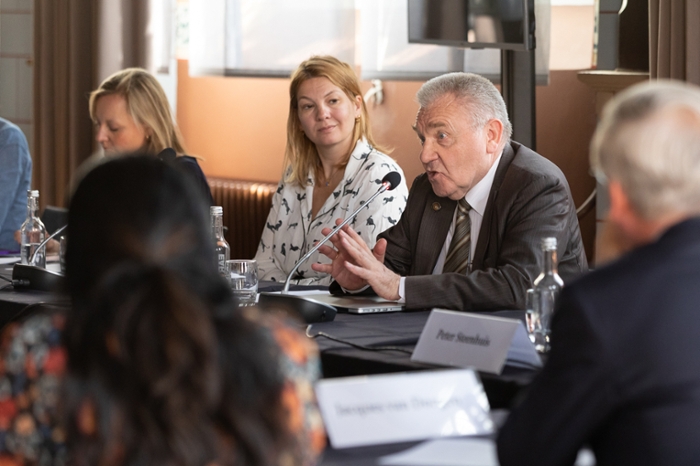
<point x="355" y="291"/>
<point x="402" y="290"/>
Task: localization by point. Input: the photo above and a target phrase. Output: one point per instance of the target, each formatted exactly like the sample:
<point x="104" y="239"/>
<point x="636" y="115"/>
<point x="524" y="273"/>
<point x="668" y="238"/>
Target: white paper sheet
<point x="460" y="452"/>
<point x="392" y="408"/>
<point x="447" y="452"/>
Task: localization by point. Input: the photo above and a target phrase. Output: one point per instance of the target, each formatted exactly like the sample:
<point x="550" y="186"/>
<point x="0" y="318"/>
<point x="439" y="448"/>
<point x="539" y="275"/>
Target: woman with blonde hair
<point x="131" y="113"/>
<point x="333" y="167"/>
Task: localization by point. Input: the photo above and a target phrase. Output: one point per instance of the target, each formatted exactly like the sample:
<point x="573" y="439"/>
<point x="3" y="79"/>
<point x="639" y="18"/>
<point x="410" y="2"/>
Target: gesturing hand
<point x="339" y="258"/>
<point x="355" y="265"/>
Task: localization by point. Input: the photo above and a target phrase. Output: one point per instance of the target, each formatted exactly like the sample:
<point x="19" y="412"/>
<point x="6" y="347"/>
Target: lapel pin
<point x="436" y="206"/>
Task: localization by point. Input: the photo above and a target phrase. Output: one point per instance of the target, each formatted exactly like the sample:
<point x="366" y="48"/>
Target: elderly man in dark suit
<point x="623" y="375"/>
<point x="469" y="238"/>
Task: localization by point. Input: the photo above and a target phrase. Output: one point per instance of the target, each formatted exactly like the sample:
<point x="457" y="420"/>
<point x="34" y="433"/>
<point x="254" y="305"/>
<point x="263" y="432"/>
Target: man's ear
<point x="623" y="217"/>
<point x="620" y="208"/>
<point x="494" y="133"/>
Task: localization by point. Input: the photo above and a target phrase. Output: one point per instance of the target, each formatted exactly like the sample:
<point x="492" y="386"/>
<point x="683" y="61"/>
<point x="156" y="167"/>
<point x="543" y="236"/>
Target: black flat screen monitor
<point x="499" y="24"/>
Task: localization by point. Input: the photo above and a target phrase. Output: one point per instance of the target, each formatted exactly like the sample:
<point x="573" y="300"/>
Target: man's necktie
<point x="457" y="259"/>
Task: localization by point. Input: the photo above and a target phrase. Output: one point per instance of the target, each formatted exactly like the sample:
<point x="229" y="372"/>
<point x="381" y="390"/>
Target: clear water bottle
<point x="223" y="250"/>
<point x="33" y="232"/>
<point x="542" y="298"/>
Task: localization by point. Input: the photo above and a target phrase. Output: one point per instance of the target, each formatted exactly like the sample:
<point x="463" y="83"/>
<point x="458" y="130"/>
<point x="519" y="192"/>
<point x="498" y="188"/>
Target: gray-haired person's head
<point x="478" y="93"/>
<point x="648" y="140"/>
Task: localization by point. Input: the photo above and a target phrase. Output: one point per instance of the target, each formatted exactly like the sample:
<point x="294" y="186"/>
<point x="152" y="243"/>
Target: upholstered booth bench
<point x="246" y="206"/>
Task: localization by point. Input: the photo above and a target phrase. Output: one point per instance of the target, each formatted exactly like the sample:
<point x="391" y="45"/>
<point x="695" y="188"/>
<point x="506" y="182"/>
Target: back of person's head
<point x="648" y="140"/>
<point x="301" y="152"/>
<point x="138" y="210"/>
<point x="147" y="104"/>
<point x="153" y="334"/>
<point x="482" y="100"/>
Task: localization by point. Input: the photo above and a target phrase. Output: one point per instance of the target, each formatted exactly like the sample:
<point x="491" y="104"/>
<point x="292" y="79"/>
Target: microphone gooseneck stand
<point x="32" y="277"/>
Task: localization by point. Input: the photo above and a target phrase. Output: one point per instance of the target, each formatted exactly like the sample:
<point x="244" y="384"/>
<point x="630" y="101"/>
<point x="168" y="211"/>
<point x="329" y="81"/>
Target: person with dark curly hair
<point x="157" y="364"/>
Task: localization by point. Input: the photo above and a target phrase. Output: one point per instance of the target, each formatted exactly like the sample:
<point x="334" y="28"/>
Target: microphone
<point x="311" y="310"/>
<point x="36" y="278"/>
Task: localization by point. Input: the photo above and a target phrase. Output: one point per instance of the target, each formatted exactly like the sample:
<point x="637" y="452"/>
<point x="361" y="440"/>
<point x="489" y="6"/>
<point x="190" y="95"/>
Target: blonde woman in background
<point x="131" y="113"/>
<point x="333" y="167"/>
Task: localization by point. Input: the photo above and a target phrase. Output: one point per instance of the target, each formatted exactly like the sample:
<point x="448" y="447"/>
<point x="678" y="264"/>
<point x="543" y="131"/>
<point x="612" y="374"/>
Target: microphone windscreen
<point x="393" y="178"/>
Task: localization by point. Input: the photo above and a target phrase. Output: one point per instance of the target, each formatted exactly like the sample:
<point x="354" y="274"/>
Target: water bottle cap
<point x="216" y="210"/>
<point x="33" y="193"/>
<point x="549" y="243"/>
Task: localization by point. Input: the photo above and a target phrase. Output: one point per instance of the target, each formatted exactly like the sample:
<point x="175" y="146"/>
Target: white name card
<point x="403" y="407"/>
<point x="473" y="340"/>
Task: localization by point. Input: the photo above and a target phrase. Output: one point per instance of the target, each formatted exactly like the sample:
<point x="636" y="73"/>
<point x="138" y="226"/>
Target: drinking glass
<point x="243" y="277"/>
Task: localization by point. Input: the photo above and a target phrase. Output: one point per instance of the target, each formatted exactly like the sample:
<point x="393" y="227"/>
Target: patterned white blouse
<point x="290" y="232"/>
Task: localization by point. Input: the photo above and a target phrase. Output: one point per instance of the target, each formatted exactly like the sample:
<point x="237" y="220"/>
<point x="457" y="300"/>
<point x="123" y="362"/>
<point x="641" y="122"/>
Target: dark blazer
<point x="529" y="200"/>
<point x="192" y="168"/>
<point x="623" y="374"/>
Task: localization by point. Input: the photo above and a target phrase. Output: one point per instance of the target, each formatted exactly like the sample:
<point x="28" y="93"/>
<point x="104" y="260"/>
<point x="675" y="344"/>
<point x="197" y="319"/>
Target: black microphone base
<point x="31" y="277"/>
<point x="308" y="310"/>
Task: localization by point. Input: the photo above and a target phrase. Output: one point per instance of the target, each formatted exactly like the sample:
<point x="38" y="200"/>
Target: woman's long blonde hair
<point x="301" y="154"/>
<point x="147" y="104"/>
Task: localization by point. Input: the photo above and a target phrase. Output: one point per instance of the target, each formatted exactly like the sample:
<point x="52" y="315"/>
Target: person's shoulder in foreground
<point x="619" y="377"/>
<point x="32" y="365"/>
<point x="300" y="366"/>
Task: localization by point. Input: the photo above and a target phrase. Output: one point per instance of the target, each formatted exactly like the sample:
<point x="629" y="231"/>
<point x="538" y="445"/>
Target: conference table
<point x="350" y="345"/>
<point x="373" y="333"/>
<point x="14" y="302"/>
<point x="380" y="344"/>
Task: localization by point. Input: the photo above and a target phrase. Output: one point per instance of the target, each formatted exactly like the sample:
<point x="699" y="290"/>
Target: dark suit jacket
<point x="623" y="374"/>
<point x="529" y="200"/>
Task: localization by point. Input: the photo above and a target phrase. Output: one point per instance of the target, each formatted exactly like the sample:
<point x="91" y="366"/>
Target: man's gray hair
<point x="483" y="99"/>
<point x="648" y="140"/>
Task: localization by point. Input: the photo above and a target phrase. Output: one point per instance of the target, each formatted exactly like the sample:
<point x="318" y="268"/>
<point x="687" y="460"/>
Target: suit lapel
<point x="436" y="220"/>
<point x="489" y="224"/>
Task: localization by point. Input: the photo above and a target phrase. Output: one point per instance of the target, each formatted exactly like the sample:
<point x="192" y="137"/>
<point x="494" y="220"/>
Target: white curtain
<point x="138" y="33"/>
<point x="271" y="37"/>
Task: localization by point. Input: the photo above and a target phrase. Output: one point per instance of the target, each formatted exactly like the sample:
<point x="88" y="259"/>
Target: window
<point x="271" y="37"/>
